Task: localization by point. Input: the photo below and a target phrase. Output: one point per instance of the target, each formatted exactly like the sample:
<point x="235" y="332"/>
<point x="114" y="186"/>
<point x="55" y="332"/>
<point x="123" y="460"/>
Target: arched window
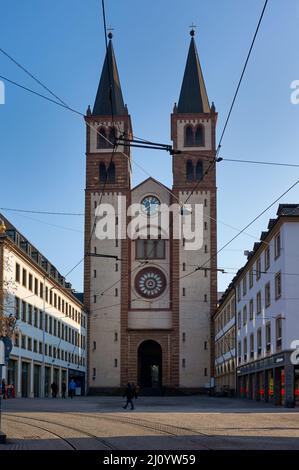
<point x="112" y="137"/>
<point x="199" y="136"/>
<point x="101" y="136"/>
<point x="189" y="171"/>
<point x="199" y="171"/>
<point x="103" y="173"/>
<point x="189" y="136"/>
<point x="111" y="173"/>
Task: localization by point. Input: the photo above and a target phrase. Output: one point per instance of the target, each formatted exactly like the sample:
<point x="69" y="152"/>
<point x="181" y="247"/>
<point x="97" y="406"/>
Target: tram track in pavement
<point x="168" y="429"/>
<point x="68" y="441"/>
<point x="160" y="428"/>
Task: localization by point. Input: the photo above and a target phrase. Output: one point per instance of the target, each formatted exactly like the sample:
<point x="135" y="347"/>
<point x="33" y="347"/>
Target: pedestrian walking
<point x="54" y="389"/>
<point x="129" y="394"/>
<point x="3" y="389"/>
<point x="72" y="388"/>
<point x="63" y="389"/>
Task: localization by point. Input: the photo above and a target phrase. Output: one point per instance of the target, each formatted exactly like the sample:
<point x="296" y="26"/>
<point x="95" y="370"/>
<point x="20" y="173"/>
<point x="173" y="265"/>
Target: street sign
<point x="5" y="349"/>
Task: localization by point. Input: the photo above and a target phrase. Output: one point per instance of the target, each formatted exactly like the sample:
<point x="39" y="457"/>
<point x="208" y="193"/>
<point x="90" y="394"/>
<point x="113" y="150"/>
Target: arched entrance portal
<point x="150" y="364"/>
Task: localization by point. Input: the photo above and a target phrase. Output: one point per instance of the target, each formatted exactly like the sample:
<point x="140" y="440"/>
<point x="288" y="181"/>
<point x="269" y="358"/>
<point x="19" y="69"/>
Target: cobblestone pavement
<point x="160" y="423"/>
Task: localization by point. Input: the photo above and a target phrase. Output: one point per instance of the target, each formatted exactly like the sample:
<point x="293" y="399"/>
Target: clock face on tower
<point x="150" y="282"/>
<point x="150" y="204"/>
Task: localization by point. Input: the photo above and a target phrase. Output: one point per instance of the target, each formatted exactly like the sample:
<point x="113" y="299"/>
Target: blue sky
<point x="42" y="147"/>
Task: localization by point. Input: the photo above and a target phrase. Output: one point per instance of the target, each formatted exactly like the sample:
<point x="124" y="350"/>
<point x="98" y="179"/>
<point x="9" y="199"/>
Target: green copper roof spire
<point x="193" y="96"/>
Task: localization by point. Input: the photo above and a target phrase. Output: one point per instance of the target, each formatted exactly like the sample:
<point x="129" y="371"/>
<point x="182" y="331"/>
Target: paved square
<point x="159" y="423"/>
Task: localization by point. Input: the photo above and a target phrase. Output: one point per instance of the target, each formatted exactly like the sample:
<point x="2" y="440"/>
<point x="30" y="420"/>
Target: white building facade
<point x="224" y="321"/>
<point x="267" y="309"/>
<point x="50" y="341"/>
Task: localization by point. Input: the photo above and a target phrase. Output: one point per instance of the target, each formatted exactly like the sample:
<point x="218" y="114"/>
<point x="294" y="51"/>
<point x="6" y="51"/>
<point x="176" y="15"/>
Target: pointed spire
<point x="102" y="104"/>
<point x="193" y="96"/>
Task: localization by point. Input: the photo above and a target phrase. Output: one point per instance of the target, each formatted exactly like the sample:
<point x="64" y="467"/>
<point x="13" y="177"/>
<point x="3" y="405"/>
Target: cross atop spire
<point x="192" y="31"/>
<point x="110" y="34"/>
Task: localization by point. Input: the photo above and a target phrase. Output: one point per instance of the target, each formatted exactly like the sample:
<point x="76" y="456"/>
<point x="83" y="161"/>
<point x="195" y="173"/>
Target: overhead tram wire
<point x="87" y="250"/>
<point x="32" y="76"/>
<point x="217" y="158"/>
<point x="141" y="263"/>
<point x="62" y="104"/>
<point x="83" y="115"/>
<point x="243" y="230"/>
<point x="52" y="93"/>
<point x="242" y="74"/>
<point x="42" y="212"/>
<point x="257" y="162"/>
<point x="79" y="113"/>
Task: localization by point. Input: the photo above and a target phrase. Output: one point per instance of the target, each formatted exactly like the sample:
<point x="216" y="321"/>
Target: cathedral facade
<point x="150" y="298"/>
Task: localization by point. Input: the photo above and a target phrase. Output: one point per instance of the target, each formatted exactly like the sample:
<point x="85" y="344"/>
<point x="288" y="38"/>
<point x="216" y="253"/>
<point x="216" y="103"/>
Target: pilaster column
<point x="19" y="378"/>
<point x="289" y="384"/>
<point x="59" y="382"/>
<point x="31" y="373"/>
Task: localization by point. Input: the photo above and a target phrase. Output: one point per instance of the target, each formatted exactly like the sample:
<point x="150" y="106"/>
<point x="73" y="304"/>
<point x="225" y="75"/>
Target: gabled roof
<point x="193" y="96"/>
<point x="109" y="90"/>
<point x="150" y="178"/>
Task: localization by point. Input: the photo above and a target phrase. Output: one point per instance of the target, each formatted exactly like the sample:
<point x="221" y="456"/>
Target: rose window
<point x="150" y="282"/>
